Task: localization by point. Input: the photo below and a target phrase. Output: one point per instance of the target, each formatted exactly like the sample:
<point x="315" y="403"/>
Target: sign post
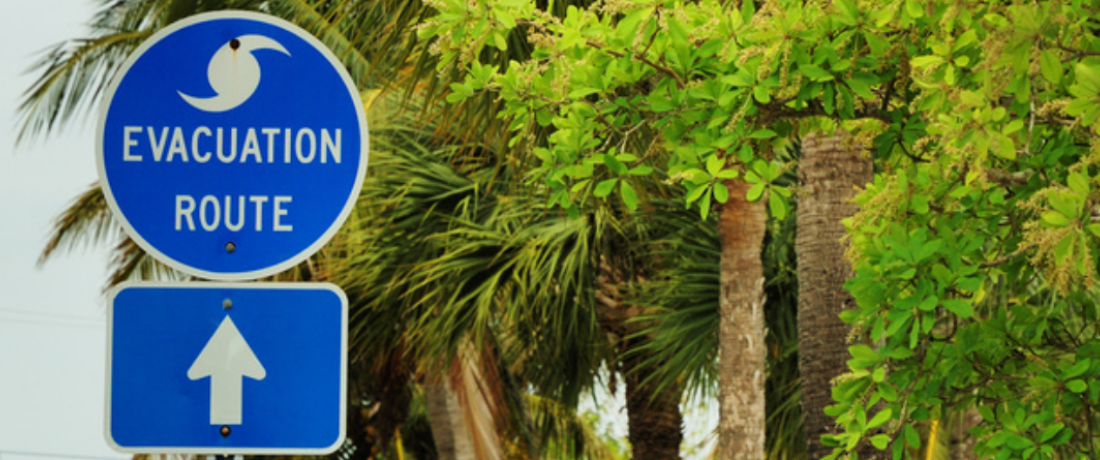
<point x="231" y="146"/>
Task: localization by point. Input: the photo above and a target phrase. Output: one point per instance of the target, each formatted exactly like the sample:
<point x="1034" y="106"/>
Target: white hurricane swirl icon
<point x="234" y="73"/>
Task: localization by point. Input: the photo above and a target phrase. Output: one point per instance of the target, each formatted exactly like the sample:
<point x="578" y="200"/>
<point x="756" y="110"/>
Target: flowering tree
<point x="974" y="248"/>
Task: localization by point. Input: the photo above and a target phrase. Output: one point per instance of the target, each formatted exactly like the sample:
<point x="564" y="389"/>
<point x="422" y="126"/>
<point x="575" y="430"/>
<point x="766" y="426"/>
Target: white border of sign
<point x="353" y="92"/>
<point x="235" y="450"/>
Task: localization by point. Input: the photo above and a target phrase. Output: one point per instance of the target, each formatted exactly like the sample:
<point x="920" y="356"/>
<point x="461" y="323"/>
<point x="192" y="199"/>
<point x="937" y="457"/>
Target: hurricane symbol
<point x="234" y="73"/>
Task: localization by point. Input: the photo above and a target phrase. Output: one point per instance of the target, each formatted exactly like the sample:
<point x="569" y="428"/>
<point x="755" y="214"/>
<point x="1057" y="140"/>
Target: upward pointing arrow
<point x="226" y="359"/>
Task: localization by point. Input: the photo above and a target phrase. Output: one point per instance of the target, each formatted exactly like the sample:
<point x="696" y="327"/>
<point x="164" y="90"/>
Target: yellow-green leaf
<point x="755" y="191"/>
<point x="721" y="193"/>
<point x="1055" y="219"/>
<point x="1077" y="386"/>
<point x="630" y="199"/>
<point x="915" y="8"/>
<point x="1051" y="67"/>
<point x="604" y="188"/>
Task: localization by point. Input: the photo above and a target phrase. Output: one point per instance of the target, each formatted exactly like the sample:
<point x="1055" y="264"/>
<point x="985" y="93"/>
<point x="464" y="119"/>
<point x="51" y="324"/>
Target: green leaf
<point x="1077" y="369"/>
<point x="863" y="352"/>
<point x="915" y="8"/>
<point x="630" y="199"/>
<point x="1089" y="80"/>
<point x="959" y="307"/>
<point x="876" y="42"/>
<point x="660" y="103"/>
<point x="747" y="9"/>
<point x="617" y="166"/>
<point x="880" y="418"/>
<point x="1077" y="386"/>
<point x="762" y="134"/>
<point x="1055" y="219"/>
<point x="721" y="193"/>
<point x="912" y="437"/>
<point x="696" y="193"/>
<point x="1018" y="442"/>
<point x="727" y="174"/>
<point x="987" y="414"/>
<point x="880" y="441"/>
<point x="755" y="192"/>
<point x="1050" y="432"/>
<point x="714" y="165"/>
<point x="860" y="88"/>
<point x="745" y="153"/>
<point x="919" y="204"/>
<point x="848" y="10"/>
<point x="967" y="38"/>
<point x="741" y="79"/>
<point x="1051" y="67"/>
<point x="777" y="205"/>
<point x="887" y="392"/>
<point x="761" y="94"/>
<point x="604" y="188"/>
<point x="704" y="207"/>
<point x="499" y="40"/>
<point x="582" y="92"/>
<point x="1079" y="183"/>
<point x="641" y="170"/>
<point x="815" y="73"/>
<point x="925" y="61"/>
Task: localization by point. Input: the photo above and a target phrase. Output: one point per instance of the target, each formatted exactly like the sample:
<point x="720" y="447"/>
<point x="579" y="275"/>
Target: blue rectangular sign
<point x="226" y="368"/>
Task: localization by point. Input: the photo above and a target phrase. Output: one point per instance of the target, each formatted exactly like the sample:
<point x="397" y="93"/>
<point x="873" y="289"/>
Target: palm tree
<point x="387" y="56"/>
<point x="683" y="331"/>
<point x="829" y="173"/>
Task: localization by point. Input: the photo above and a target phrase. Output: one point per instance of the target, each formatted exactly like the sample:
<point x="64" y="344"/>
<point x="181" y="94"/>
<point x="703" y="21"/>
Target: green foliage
<point x="683" y="330"/>
<point x="974" y="250"/>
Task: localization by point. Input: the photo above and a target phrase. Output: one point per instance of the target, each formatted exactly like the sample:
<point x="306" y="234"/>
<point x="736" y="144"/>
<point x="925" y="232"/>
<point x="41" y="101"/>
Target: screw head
<point x="230" y="247"/>
<point x="227" y="304"/>
<point x="224" y="431"/>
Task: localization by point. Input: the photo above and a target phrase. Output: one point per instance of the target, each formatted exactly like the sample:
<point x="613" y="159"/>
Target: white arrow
<point x="226" y="359"/>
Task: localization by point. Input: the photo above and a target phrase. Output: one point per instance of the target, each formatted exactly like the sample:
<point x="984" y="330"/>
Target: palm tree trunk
<point x="654" y="420"/>
<point x="741" y="327"/>
<point x="452" y="439"/>
<point x="829" y="173"/>
<point x="462" y="410"/>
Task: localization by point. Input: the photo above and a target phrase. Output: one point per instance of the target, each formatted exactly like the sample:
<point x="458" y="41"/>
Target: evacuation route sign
<point x="231" y="145"/>
<point x="226" y="368"/>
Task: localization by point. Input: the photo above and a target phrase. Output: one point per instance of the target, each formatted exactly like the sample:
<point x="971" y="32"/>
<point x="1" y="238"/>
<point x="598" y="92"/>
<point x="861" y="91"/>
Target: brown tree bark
<point x="462" y="410"/>
<point x="741" y="358"/>
<point x="654" y="420"/>
<point x="829" y="173"/>
<point x="452" y="439"/>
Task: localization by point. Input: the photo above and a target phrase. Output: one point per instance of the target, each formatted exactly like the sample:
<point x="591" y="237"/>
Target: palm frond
<point x="129" y="262"/>
<point x="567" y="434"/>
<point x="86" y="222"/>
<point x="73" y="75"/>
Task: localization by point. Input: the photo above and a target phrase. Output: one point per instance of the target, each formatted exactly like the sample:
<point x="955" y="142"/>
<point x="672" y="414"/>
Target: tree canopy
<point x="973" y="252"/>
<point x="975" y="273"/>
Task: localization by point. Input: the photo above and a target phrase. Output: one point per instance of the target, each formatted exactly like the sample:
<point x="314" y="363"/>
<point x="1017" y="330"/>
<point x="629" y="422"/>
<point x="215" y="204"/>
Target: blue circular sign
<point x="232" y="145"/>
